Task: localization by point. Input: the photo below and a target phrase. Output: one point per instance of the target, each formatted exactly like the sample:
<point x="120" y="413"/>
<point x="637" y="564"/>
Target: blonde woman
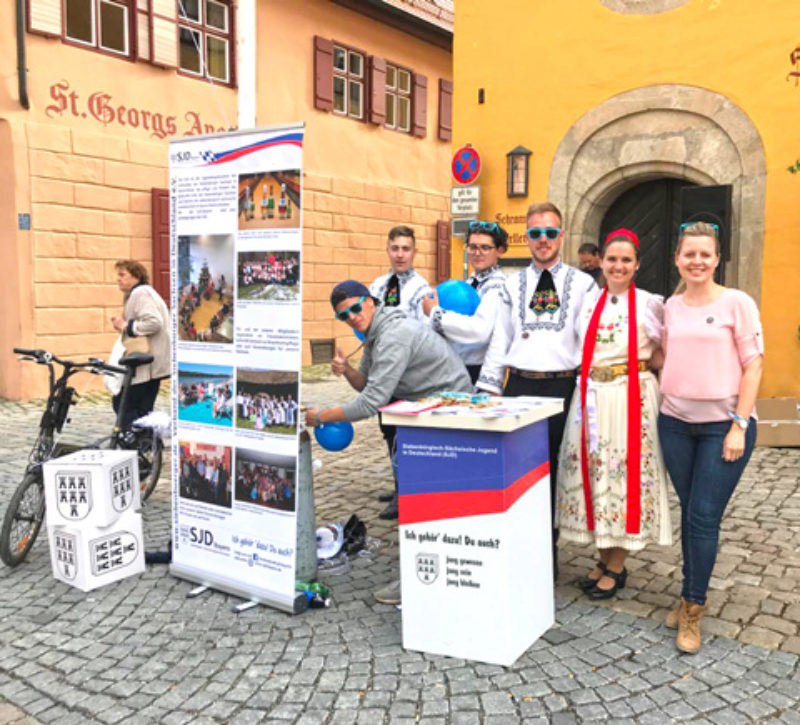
<point x="713" y="347"/>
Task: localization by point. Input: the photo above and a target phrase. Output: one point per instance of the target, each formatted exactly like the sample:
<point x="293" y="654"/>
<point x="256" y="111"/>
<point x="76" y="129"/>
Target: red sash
<point x="634" y="453"/>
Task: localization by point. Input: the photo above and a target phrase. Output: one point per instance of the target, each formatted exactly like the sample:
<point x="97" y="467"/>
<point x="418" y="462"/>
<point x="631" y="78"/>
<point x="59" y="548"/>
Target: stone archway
<point x="660" y="131"/>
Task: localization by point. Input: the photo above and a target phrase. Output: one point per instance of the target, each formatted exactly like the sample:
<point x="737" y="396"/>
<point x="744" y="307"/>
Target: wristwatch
<point x="743" y="423"/>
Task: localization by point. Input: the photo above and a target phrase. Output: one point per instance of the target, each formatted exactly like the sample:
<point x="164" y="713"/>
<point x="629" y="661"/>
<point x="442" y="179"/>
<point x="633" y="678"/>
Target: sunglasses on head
<point x="488" y="227"/>
<point x="551" y="233"/>
<point x="715" y="227"/>
<point x="354" y="309"/>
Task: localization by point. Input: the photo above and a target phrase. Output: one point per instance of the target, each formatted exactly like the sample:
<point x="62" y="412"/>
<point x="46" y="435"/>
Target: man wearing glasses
<point x="536" y="338"/>
<point x="486" y="242"/>
<point x="402" y="286"/>
<point x="403" y="359"/>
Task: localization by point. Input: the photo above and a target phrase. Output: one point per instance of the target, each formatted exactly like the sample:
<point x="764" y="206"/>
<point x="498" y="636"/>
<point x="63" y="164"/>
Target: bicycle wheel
<point x="149" y="451"/>
<point x="23" y="519"/>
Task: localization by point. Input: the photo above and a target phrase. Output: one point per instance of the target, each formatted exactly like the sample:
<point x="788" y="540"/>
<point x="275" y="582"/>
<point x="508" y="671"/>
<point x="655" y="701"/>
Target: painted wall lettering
<point x="101" y="106"/>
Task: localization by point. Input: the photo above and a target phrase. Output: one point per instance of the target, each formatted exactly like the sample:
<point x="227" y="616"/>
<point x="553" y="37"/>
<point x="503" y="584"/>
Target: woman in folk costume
<point x="612" y="483"/>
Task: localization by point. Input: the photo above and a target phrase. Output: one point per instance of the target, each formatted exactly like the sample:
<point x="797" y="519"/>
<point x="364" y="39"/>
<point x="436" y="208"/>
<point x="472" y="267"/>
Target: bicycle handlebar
<point x="44" y="357"/>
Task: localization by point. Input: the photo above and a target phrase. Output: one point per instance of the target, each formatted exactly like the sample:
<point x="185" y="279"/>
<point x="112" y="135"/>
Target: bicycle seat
<point x="135" y="359"/>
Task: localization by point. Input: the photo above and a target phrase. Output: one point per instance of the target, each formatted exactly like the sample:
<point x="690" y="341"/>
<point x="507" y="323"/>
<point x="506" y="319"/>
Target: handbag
<point x="113" y="381"/>
<point x="136" y="344"/>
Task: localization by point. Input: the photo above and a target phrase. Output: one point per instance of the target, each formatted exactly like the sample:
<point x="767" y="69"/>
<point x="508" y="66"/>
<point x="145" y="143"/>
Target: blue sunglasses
<point x="488" y="227"/>
<point x="354" y="309"/>
<point x="715" y="227"/>
<point x="535" y="233"/>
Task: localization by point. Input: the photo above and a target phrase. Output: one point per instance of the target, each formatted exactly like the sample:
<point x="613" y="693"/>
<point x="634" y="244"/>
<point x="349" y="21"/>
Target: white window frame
<point x="393" y="95"/>
<point x="350" y="80"/>
<point x="95" y="7"/>
<point x="205" y="31"/>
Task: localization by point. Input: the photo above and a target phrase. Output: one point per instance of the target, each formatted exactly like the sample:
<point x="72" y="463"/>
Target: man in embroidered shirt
<point x="470" y="335"/>
<point x="536" y="338"/>
<point x="404" y="288"/>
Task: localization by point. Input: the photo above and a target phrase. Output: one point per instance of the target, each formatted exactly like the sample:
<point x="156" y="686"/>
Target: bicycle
<point x="26" y="508"/>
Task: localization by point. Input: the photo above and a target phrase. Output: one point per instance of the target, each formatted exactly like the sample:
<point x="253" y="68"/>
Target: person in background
<point x="713" y="357"/>
<point x="470" y="334"/>
<point x="590" y="262"/>
<point x="402" y="287"/>
<point x="612" y="483"/>
<point x="144" y="315"/>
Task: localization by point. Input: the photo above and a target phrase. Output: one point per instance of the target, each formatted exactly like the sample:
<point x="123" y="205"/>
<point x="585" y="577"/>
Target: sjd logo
<point x="201" y="536"/>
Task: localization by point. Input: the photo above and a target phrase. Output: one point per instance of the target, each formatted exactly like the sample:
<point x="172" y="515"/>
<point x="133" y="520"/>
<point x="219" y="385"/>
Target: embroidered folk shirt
<point x="544" y="342"/>
<point x="470" y="335"/>
<point x="413" y="287"/>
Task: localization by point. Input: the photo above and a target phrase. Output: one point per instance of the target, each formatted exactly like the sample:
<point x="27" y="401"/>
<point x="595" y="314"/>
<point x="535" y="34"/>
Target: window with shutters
<point x="398" y="98"/>
<point x="101" y="24"/>
<point x="204" y="39"/>
<point x="193" y="36"/>
<point x="348" y="82"/>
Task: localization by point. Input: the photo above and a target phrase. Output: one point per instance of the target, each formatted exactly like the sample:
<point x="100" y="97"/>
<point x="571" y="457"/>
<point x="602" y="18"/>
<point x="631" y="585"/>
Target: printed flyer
<point x="236" y="240"/>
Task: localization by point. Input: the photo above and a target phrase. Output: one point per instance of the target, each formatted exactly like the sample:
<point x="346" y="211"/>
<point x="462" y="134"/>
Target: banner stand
<point x="292" y="605"/>
<point x="239" y="505"/>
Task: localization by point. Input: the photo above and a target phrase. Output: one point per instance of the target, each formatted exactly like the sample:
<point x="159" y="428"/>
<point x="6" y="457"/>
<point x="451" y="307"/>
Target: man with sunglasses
<point x="402" y="286"/>
<point x="536" y="339"/>
<point x="403" y="359"/>
<point x="485" y="244"/>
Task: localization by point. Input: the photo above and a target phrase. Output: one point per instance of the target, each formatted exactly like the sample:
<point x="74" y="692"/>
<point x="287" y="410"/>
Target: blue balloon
<point x="334" y="436"/>
<point x="458" y="296"/>
<point x="359" y="335"/>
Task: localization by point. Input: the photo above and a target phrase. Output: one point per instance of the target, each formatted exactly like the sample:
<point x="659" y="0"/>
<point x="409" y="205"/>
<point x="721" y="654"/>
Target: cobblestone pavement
<point x="139" y="651"/>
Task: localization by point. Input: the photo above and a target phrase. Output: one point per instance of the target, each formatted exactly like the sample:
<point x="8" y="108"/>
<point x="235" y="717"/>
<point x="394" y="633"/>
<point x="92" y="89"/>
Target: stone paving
<point x="139" y="651"/>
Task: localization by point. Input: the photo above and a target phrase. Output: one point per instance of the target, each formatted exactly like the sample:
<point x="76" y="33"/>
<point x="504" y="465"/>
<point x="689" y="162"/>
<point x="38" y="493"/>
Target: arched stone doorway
<point x="652" y="209"/>
<point x="664" y="131"/>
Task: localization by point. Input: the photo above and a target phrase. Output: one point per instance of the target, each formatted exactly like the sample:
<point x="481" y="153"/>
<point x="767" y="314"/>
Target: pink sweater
<point x="706" y="349"/>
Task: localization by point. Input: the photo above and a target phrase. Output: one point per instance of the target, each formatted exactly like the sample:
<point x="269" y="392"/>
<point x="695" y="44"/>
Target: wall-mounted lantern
<point x="517" y="171"/>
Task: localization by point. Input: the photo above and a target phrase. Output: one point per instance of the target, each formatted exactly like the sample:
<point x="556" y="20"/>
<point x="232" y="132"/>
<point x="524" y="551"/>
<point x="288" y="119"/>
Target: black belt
<point x="536" y="375"/>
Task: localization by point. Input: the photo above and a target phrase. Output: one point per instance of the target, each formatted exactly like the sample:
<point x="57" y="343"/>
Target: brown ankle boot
<point x="688" y="639"/>
<point x="672" y="618"/>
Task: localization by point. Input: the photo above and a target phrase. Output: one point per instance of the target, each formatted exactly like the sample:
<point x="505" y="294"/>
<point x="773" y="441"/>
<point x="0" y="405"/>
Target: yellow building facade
<point x="92" y="93"/>
<point x="632" y="111"/>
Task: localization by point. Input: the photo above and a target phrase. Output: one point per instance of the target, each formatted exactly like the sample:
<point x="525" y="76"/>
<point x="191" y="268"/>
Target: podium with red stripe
<point x="475" y="532"/>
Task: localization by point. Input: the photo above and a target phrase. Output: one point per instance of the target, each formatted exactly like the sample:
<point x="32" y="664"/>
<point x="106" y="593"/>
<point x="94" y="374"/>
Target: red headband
<point x="622" y="232"/>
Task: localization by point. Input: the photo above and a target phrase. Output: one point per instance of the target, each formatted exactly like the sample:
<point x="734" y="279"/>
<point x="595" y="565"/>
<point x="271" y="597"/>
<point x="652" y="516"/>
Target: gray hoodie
<point x="404" y="359"/>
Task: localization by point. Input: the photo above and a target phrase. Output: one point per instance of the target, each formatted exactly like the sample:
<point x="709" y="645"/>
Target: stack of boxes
<point x="93" y="520"/>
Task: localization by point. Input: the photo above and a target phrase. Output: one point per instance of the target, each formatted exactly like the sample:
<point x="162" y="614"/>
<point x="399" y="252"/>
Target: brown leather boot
<point x="689" y="615"/>
<point x="672" y="618"/>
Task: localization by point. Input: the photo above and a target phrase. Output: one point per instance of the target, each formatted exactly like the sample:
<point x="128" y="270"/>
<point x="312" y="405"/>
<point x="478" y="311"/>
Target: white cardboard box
<point x="88" y="557"/>
<point x="91" y="487"/>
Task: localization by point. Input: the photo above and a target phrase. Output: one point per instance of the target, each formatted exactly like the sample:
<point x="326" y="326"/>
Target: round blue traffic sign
<point x="466" y="165"/>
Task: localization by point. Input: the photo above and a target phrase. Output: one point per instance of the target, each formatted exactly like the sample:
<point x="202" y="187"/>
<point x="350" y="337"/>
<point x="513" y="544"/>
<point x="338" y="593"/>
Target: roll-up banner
<point x="236" y="240"/>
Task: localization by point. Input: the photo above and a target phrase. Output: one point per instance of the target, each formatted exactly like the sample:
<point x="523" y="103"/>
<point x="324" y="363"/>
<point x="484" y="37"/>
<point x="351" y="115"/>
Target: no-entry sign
<point x="466" y="165"/>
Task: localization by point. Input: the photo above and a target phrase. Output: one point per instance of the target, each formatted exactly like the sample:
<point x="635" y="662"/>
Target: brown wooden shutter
<point x="164" y="33"/>
<point x="377" y="77"/>
<point x="442" y="251"/>
<point x="161" y="252"/>
<point x="323" y="74"/>
<point x="419" y="104"/>
<point x="445" y="110"/>
<point x="44" y="16"/>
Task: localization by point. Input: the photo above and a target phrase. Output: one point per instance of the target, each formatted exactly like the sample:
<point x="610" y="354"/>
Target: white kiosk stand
<point x="475" y="532"/>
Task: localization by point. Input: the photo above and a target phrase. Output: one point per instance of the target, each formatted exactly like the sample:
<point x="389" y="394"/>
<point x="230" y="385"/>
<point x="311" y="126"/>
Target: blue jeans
<point x="704" y="484"/>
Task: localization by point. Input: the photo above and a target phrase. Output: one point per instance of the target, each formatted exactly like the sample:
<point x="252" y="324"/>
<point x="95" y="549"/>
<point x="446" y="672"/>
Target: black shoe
<point x="390" y="512"/>
<point x="386" y="496"/>
<point x="587" y="583"/>
<point x="619" y="583"/>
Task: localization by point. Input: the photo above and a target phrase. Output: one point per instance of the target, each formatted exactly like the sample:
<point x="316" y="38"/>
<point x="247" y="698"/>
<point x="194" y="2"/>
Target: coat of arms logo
<point x="427" y="567"/>
<point x="74" y="494"/>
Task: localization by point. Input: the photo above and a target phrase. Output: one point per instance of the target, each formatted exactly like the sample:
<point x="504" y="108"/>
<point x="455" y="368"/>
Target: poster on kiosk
<point x="236" y="241"/>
